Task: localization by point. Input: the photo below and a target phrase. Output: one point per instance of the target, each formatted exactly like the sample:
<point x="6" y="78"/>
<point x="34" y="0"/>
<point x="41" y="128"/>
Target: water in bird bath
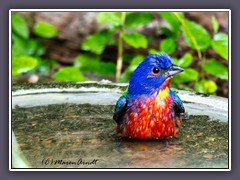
<point x="83" y="136"/>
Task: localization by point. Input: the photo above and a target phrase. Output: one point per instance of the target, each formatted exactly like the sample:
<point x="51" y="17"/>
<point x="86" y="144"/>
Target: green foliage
<point x="26" y="51"/>
<point x="133" y="19"/>
<point x="153" y="51"/>
<point x="135" y="39"/>
<point x="120" y="24"/>
<point x="28" y="47"/>
<point x="45" y="65"/>
<point x="195" y="35"/>
<point x="216" y="68"/>
<point x="22" y="64"/>
<point x="188" y="75"/>
<point x="69" y="74"/>
<point x="168" y="45"/>
<point x="113" y="18"/>
<point x="97" y="42"/>
<point x="126" y="75"/>
<point x="136" y="19"/>
<point x="135" y="62"/>
<point x="45" y="30"/>
<point x="220" y="44"/>
<point x="168" y="32"/>
<point x="199" y="39"/>
<point x="86" y="61"/>
<point x="19" y="26"/>
<point x="173" y="22"/>
<point x="185" y="61"/>
<point x="215" y="24"/>
<point x="120" y="29"/>
<point x="206" y="86"/>
<point x="92" y="63"/>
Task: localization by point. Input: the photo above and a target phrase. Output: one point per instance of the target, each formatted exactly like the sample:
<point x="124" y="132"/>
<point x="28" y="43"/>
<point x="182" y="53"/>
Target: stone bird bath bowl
<point x="69" y="125"/>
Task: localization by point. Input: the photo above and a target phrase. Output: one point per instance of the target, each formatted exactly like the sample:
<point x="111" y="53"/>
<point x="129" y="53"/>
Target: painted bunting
<point x="149" y="108"/>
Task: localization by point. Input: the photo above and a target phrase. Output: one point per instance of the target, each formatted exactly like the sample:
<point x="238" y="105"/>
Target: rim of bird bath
<point x="107" y="93"/>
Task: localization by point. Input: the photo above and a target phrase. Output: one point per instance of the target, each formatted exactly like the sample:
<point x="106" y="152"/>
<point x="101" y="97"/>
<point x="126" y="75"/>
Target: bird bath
<point x="70" y="126"/>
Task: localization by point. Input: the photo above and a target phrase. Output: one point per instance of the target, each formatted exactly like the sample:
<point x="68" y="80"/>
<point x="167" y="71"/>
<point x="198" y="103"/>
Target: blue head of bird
<point x="151" y="74"/>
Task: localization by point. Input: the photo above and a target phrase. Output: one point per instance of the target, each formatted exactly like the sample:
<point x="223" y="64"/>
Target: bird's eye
<point x="156" y="70"/>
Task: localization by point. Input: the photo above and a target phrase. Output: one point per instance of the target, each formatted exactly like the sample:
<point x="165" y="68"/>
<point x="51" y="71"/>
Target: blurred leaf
<point x="220" y="44"/>
<point x="153" y="51"/>
<point x="96" y="42"/>
<point x="187" y="88"/>
<point x="188" y="75"/>
<point x="126" y="75"/>
<point x="175" y="60"/>
<point x="27" y="47"/>
<point x="206" y="86"/>
<point x="135" y="39"/>
<point x="185" y="61"/>
<point x="168" y="45"/>
<point x="14" y="36"/>
<point x="22" y="64"/>
<point x="41" y="48"/>
<point x="45" y="30"/>
<point x="196" y="36"/>
<point x="172" y="21"/>
<point x="168" y="32"/>
<point x="127" y="58"/>
<point x="69" y="74"/>
<point x="113" y="42"/>
<point x="19" y="48"/>
<point x="215" y="24"/>
<point x="106" y="68"/>
<point x="86" y="61"/>
<point x="31" y="47"/>
<point x="135" y="62"/>
<point x="113" y="18"/>
<point x="92" y="63"/>
<point x="137" y="18"/>
<point x="216" y="68"/>
<point x="19" y="26"/>
<point x="45" y="64"/>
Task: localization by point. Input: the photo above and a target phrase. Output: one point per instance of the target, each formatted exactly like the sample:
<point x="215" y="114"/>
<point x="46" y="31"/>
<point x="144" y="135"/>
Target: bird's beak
<point x="174" y="70"/>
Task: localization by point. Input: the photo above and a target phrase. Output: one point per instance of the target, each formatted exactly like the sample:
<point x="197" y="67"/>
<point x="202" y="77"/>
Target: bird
<point x="149" y="108"/>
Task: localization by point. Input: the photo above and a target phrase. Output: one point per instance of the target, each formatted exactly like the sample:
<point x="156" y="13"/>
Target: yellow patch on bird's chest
<point x="163" y="93"/>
